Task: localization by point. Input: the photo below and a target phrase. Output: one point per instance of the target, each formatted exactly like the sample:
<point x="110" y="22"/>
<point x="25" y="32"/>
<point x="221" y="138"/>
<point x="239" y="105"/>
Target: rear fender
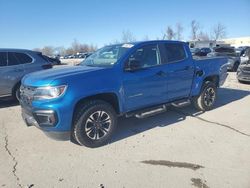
<point x="198" y="81"/>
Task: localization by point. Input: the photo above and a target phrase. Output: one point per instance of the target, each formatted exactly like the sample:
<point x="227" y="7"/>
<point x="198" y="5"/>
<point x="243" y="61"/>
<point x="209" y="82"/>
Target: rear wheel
<point x="94" y="123"/>
<point x="207" y="97"/>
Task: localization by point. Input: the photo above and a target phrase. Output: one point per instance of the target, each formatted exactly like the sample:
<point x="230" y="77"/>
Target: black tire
<point x="235" y="67"/>
<point x="94" y="123"/>
<point x="243" y="82"/>
<point x="207" y="97"/>
<point x="16" y="92"/>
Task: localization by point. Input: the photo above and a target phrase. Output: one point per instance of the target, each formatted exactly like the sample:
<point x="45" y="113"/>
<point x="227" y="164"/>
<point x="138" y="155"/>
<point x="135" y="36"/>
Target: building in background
<point x="235" y="42"/>
<point x="206" y="43"/>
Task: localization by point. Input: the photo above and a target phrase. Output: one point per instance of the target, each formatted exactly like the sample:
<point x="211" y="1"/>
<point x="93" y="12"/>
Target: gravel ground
<point x="179" y="148"/>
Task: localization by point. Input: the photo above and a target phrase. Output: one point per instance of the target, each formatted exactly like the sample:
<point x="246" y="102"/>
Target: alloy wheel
<point x="98" y="125"/>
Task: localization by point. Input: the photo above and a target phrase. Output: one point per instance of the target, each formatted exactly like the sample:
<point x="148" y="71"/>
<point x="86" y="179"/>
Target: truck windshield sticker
<point x="127" y="45"/>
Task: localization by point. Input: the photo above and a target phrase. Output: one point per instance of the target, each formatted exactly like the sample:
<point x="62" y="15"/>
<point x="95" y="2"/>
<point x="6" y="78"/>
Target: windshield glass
<point x="107" y="56"/>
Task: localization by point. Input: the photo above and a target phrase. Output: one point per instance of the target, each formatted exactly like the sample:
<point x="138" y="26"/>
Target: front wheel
<point x="94" y="123"/>
<point x="205" y="101"/>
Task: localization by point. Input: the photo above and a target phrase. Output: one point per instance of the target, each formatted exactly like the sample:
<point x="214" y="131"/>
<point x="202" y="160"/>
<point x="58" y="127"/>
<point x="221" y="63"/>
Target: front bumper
<point x="40" y="118"/>
<point x="243" y="76"/>
<point x="34" y="119"/>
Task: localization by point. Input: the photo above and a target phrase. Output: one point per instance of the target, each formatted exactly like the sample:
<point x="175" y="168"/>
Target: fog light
<point x="46" y="118"/>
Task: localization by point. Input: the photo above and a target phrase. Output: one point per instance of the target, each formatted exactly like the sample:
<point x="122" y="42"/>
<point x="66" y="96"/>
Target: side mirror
<point x="133" y="65"/>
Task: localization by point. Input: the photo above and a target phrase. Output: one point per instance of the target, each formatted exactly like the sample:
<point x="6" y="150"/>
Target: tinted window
<point x="148" y="56"/>
<point x="42" y="56"/>
<point x="12" y="59"/>
<point x="3" y="59"/>
<point x="174" y="52"/>
<point x="224" y="49"/>
<point x="23" y="58"/>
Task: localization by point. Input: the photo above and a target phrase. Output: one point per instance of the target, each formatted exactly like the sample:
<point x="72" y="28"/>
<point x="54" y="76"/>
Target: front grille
<point x="246" y="68"/>
<point x="27" y="94"/>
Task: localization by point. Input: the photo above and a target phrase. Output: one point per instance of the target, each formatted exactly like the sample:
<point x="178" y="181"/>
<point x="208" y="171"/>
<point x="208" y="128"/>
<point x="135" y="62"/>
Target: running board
<point x="182" y="103"/>
<point x="148" y="112"/>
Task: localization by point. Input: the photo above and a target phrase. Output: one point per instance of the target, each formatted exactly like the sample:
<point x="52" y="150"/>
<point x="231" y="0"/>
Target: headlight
<point x="50" y="92"/>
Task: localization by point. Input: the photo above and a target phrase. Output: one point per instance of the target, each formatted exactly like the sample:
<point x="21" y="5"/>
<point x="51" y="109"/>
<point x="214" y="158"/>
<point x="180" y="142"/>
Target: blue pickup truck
<point x="132" y="79"/>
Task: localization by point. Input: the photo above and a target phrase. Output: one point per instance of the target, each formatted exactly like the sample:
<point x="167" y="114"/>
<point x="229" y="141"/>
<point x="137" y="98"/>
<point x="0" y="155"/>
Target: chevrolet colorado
<point x="132" y="79"/>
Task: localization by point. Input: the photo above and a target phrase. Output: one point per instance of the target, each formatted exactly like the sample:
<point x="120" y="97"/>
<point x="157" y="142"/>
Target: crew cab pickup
<point x="132" y="79"/>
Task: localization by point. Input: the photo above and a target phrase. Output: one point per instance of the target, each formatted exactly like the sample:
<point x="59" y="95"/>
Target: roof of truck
<point x="149" y="41"/>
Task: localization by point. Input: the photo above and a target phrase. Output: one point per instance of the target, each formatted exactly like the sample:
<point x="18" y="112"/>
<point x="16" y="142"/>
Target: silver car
<point x="14" y="64"/>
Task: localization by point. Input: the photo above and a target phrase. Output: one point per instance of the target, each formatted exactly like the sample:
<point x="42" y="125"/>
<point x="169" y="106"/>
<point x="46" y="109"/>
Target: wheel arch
<point x="13" y="92"/>
<point x="212" y="78"/>
<point x="110" y="98"/>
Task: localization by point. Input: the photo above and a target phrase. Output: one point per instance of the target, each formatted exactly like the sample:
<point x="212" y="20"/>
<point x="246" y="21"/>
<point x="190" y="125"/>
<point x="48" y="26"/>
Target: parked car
<point x="71" y="56"/>
<point x="14" y="64"/>
<point x="241" y="50"/>
<point x="243" y="72"/>
<point x="230" y="53"/>
<point x="139" y="79"/>
<point x="194" y="50"/>
<point x="203" y="52"/>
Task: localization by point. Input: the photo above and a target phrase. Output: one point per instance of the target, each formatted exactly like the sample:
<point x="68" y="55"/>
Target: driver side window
<point x="148" y="56"/>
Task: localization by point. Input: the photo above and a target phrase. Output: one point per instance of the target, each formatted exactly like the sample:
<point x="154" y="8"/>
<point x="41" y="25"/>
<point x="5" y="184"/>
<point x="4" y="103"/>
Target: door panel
<point x="179" y="69"/>
<point x="144" y="88"/>
<point x="3" y="65"/>
<point x="146" y="85"/>
<point x="11" y="74"/>
<point x="180" y="78"/>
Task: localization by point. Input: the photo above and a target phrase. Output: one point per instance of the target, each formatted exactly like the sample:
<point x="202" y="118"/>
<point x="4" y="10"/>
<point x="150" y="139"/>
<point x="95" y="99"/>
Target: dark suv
<point x="230" y="53"/>
<point x="14" y="64"/>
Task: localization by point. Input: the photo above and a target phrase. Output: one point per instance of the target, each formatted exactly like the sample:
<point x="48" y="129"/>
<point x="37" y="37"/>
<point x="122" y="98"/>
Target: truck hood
<point x="46" y="77"/>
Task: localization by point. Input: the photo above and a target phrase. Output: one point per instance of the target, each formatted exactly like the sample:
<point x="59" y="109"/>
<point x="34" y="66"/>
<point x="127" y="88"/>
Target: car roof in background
<point x="14" y="50"/>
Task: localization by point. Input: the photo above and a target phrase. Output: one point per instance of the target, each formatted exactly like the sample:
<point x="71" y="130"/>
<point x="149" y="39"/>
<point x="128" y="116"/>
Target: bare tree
<point x="114" y="41"/>
<point x="219" y="31"/>
<point x="127" y="36"/>
<point x="48" y="50"/>
<point x="60" y="50"/>
<point x="170" y="34"/>
<point x="195" y="26"/>
<point x="75" y="46"/>
<point x="37" y="49"/>
<point x="179" y="30"/>
<point x="92" y="48"/>
<point x="203" y="36"/>
<point x="69" y="51"/>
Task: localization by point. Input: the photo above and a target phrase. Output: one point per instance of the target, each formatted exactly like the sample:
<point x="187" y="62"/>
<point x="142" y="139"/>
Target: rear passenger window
<point x="12" y="59"/>
<point x="174" y="52"/>
<point x="16" y="58"/>
<point x="23" y="58"/>
<point x="3" y="59"/>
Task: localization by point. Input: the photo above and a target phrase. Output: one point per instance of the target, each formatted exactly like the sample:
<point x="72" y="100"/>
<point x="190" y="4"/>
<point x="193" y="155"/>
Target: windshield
<point x="107" y="56"/>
